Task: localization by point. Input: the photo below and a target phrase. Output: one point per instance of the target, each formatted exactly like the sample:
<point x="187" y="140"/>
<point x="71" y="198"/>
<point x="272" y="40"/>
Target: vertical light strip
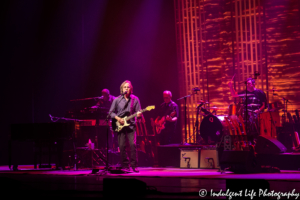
<point x="260" y="49"/>
<point x="251" y="40"/>
<point x="201" y="50"/>
<point x="193" y="72"/>
<point x="237" y="42"/>
<point x="197" y="52"/>
<point x="255" y="38"/>
<point x="185" y="59"/>
<point x="242" y="42"/>
<point x="188" y="67"/>
<point x="246" y="39"/>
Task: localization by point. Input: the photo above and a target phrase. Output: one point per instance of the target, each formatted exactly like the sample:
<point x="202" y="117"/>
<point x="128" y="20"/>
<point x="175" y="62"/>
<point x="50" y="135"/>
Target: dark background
<point x="55" y="51"/>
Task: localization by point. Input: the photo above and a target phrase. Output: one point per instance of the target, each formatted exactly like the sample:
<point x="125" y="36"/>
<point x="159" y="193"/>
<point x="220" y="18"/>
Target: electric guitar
<point x="161" y="123"/>
<point x="118" y="127"/>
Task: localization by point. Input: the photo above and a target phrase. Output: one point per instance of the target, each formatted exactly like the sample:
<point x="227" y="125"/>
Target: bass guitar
<point x="117" y="126"/>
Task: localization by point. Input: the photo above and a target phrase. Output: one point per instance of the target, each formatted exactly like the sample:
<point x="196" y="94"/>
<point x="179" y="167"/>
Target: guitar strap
<point x="131" y="105"/>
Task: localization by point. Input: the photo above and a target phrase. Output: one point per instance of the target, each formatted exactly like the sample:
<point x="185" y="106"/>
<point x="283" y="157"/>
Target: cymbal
<point x="217" y="108"/>
<point x="253" y="104"/>
<point x="201" y="101"/>
<point x="243" y="95"/>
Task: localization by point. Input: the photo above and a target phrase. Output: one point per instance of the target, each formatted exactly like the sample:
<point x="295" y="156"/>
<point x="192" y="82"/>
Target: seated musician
<point x="105" y="100"/>
<point x="167" y="119"/>
<point x="257" y="102"/>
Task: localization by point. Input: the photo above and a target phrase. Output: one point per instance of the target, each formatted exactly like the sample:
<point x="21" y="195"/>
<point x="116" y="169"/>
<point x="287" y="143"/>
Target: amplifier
<point x="189" y="158"/>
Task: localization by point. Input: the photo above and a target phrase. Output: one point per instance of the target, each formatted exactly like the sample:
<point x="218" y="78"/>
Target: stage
<point x="160" y="182"/>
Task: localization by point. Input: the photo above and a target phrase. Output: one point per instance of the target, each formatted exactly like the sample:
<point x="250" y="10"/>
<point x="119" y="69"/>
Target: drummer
<point x="256" y="100"/>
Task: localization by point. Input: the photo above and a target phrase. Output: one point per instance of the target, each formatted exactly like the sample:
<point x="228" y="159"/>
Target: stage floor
<point x="161" y="182"/>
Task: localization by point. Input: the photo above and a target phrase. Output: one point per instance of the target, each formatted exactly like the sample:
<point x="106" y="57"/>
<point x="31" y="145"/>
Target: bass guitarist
<point x="167" y="119"/>
<point x="124" y="105"/>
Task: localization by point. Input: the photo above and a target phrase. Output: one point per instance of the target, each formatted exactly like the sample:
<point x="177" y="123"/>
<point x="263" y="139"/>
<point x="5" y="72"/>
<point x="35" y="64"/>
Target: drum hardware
<point x="253" y="105"/>
<point x="202" y="102"/>
<point x="206" y="112"/>
<point x="239" y="138"/>
<point x="273" y="90"/>
<point x="217" y="108"/>
<point x="243" y="95"/>
<point x="235" y="109"/>
<point x="275" y="106"/>
<point x="278" y="105"/>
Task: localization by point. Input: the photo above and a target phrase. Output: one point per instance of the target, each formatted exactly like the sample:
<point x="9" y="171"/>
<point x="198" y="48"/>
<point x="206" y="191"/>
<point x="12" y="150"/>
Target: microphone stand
<point x="107" y="169"/>
<point x="246" y="109"/>
<point x="185" y="122"/>
<point x="197" y="120"/>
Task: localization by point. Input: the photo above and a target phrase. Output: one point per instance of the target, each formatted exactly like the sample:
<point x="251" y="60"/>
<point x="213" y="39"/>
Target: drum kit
<point x="213" y="127"/>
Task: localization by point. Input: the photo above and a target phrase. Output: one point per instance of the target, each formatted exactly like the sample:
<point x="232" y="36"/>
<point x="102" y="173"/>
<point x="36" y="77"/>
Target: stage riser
<point x="282" y="161"/>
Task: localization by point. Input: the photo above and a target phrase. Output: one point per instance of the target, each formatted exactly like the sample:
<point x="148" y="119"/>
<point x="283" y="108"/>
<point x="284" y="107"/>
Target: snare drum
<point x="211" y="129"/>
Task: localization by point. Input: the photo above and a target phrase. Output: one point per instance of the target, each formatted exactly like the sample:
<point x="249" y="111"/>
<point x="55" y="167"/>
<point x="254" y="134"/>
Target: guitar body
<point x="118" y="127"/>
<point x="161" y="123"/>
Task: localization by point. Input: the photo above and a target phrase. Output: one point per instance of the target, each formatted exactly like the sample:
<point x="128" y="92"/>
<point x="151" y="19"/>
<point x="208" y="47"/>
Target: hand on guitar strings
<point x="139" y="114"/>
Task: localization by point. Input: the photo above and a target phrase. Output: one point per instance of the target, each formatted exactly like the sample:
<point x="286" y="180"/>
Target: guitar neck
<point x="135" y="114"/>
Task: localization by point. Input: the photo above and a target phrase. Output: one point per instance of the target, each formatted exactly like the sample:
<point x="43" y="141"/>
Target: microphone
<point x="196" y="89"/>
<point x="201" y="104"/>
<point x="256" y="74"/>
<point x="124" y="92"/>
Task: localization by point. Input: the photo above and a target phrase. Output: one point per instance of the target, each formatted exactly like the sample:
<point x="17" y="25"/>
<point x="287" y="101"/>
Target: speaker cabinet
<point x="269" y="145"/>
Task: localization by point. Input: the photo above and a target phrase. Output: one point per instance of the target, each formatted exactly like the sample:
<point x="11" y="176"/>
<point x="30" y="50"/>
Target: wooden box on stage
<point x="268" y="121"/>
<point x="189" y="158"/>
<point x="204" y="157"/>
<point x="209" y="159"/>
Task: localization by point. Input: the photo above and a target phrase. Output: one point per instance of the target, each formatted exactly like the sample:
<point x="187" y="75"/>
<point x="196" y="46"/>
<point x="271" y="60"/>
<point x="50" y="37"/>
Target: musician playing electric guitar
<point x="124" y="105"/>
<point x="167" y="119"/>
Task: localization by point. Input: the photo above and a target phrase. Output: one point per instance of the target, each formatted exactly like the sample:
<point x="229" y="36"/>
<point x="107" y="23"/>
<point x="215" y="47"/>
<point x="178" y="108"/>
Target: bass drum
<point x="211" y="129"/>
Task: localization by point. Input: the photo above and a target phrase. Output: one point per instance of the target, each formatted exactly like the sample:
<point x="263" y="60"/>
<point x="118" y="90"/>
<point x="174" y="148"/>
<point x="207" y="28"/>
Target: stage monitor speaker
<point x="239" y="162"/>
<point x="269" y="145"/>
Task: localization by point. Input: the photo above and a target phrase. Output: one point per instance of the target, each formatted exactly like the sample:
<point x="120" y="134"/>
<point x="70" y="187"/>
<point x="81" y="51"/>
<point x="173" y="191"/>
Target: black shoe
<point x="126" y="169"/>
<point x="135" y="170"/>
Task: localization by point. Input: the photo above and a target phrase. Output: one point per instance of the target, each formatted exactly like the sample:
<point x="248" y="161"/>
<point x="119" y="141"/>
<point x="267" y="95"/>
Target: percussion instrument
<point x="275" y="106"/>
<point x="243" y="95"/>
<point x="235" y="109"/>
<point x="268" y="122"/>
<point x="211" y="129"/>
